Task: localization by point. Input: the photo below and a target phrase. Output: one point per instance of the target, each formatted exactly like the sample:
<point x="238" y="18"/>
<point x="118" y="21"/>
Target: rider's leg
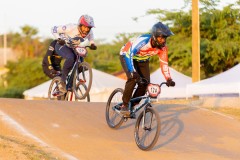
<point x="127" y="94"/>
<point x="144" y="71"/>
<point x="68" y="55"/>
<point x="130" y="84"/>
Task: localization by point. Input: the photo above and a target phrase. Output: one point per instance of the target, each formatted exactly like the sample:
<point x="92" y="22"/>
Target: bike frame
<point x="73" y="70"/>
<point x="135" y="110"/>
<point x="146" y="101"/>
<point x="71" y="75"/>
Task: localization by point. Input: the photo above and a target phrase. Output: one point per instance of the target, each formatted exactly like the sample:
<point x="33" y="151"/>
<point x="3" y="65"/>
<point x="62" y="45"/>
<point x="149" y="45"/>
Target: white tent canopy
<point x="181" y="80"/>
<point x="227" y="82"/>
<point x="102" y="86"/>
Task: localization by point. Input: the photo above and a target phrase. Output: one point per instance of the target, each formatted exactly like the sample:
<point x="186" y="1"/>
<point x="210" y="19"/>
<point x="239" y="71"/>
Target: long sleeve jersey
<point x="140" y="49"/>
<point x="70" y="31"/>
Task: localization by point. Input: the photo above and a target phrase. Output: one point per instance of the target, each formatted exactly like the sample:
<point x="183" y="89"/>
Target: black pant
<point x="142" y="68"/>
<point x="69" y="56"/>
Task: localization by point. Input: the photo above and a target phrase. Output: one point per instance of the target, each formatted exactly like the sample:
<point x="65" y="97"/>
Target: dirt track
<point x="79" y="131"/>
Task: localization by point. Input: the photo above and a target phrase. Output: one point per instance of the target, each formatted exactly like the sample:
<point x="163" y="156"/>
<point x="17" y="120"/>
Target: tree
<point x="22" y="75"/>
<point x="220" y="38"/>
<point x="26" y="43"/>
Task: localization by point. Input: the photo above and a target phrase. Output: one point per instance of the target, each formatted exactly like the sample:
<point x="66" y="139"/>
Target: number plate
<point x="153" y="90"/>
<point x="81" y="51"/>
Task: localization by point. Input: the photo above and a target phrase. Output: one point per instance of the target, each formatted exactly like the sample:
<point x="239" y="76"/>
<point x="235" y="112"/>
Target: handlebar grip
<point x="172" y="84"/>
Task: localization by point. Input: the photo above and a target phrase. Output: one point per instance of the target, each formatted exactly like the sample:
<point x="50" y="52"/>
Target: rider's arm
<point x="126" y="51"/>
<point x="163" y="58"/>
<point x="49" y="54"/>
<point x="88" y="40"/>
<point x="59" y="31"/>
<point x="90" y="37"/>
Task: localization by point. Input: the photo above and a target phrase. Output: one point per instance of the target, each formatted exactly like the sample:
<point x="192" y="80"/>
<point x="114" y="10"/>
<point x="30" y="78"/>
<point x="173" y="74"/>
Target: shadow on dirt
<point x="171" y="123"/>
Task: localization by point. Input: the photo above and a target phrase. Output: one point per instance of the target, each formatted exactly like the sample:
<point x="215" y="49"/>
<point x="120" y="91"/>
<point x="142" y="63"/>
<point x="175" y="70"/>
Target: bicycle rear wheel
<point x="147" y="129"/>
<point x="83" y="75"/>
<point x="53" y="90"/>
<point x="114" y="119"/>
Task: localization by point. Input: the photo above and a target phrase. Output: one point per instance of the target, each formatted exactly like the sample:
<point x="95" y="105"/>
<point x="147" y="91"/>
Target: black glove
<point x="93" y="47"/>
<point x="52" y="72"/>
<point x="61" y="41"/>
<point x="134" y="75"/>
<point x="50" y="67"/>
<point x="170" y="82"/>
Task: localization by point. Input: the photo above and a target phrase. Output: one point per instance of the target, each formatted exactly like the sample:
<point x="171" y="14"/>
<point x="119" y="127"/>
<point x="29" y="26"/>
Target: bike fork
<point x="144" y="119"/>
<point x="144" y="113"/>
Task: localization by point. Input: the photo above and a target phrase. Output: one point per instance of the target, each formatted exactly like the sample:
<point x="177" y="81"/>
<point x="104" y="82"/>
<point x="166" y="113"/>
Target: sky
<point x="111" y="17"/>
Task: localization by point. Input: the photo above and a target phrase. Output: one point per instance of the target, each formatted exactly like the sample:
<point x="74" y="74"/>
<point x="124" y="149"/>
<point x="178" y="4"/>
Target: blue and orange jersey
<point x="140" y="49"/>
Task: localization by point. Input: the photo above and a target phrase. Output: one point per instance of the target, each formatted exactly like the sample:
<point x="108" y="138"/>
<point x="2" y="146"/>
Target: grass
<point x="235" y="112"/>
<point x="12" y="148"/>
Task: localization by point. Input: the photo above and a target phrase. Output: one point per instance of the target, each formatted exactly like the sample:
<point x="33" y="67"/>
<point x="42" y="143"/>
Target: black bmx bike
<point x="148" y="125"/>
<point x="78" y="82"/>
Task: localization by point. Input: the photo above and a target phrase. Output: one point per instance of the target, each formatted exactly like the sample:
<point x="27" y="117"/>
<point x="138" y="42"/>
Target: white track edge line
<point x="25" y="132"/>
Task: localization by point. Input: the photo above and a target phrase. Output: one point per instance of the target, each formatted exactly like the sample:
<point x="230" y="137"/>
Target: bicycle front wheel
<point x="114" y="119"/>
<point x="53" y="91"/>
<point x="83" y="87"/>
<point x="70" y="96"/>
<point x="147" y="129"/>
<point x="83" y="75"/>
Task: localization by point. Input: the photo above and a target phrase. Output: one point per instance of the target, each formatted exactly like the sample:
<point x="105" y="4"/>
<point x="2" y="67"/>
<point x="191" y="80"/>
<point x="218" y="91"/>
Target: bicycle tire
<point x="83" y="75"/>
<point x="114" y="120"/>
<point x="69" y="97"/>
<point x="52" y="88"/>
<point x="142" y="134"/>
<point x="88" y="95"/>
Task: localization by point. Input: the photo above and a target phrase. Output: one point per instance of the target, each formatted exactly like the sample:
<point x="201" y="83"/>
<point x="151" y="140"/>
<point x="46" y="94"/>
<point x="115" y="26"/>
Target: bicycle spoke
<point x="113" y="119"/>
<point x="147" y="129"/>
<point x="53" y="92"/>
<point x="83" y="77"/>
<point x="147" y="132"/>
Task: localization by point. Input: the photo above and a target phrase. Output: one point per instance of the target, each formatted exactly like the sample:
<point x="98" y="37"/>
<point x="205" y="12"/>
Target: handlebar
<point x="144" y="81"/>
<point x="163" y="83"/>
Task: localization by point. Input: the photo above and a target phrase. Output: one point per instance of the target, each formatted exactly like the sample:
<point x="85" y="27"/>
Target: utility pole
<point x="195" y="42"/>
